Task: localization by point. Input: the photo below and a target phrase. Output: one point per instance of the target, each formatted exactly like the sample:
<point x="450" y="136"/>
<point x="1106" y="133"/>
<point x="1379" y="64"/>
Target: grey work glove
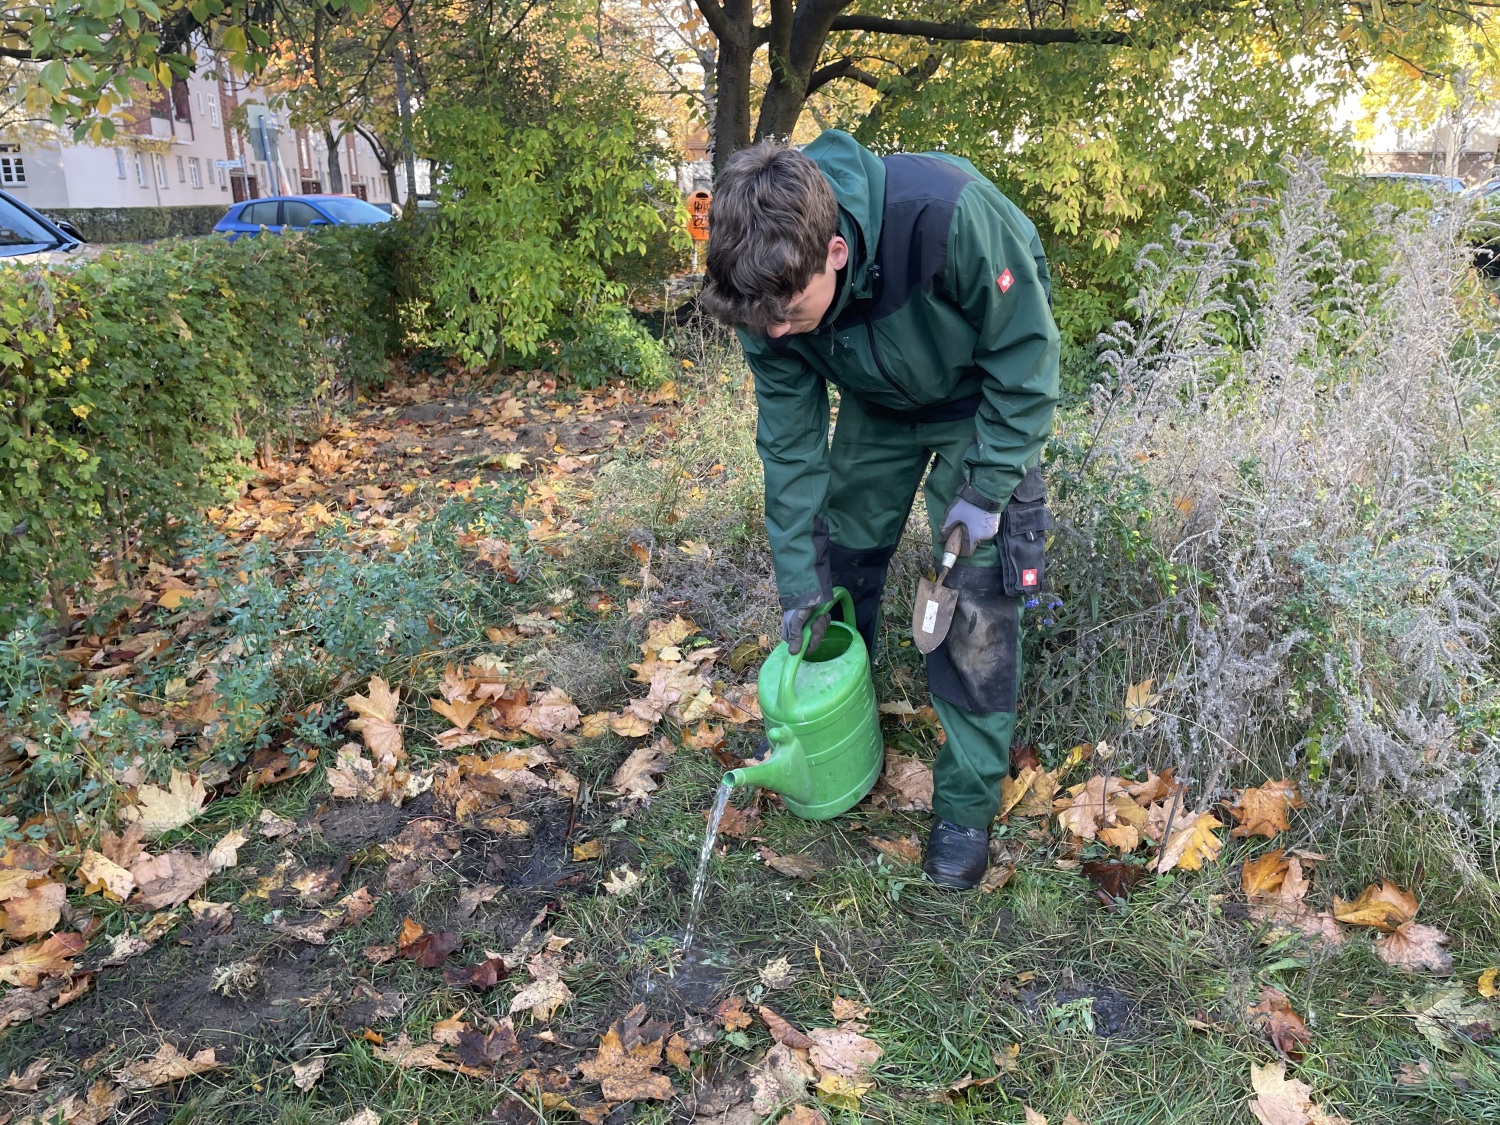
<point x="976" y="514"/>
<point x="792" y="623"/>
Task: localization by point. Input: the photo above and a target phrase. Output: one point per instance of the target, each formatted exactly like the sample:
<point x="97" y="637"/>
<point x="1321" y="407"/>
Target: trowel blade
<point x="931" y="614"/>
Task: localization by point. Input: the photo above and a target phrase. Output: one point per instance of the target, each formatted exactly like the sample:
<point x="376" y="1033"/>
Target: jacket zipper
<point x="879" y="366"/>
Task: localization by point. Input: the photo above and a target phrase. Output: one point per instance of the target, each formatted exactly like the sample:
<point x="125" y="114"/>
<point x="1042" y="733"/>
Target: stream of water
<point x="700" y="883"/>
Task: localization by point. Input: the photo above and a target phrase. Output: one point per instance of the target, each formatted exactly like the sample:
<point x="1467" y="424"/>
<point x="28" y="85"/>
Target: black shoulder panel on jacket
<point x="921" y="193"/>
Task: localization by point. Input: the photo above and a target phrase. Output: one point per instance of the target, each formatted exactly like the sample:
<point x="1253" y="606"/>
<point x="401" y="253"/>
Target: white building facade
<point x="189" y="148"/>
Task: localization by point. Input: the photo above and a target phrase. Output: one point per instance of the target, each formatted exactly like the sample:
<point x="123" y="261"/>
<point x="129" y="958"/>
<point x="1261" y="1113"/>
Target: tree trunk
<point x="335" y="169"/>
<point x="738" y="42"/>
<point x="796" y="42"/>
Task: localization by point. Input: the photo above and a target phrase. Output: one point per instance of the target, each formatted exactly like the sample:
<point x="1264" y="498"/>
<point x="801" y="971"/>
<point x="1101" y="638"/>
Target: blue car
<point x="297" y="212"/>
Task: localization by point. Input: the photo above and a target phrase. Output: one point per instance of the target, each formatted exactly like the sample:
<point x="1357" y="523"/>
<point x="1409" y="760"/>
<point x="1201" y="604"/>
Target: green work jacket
<point x="945" y="306"/>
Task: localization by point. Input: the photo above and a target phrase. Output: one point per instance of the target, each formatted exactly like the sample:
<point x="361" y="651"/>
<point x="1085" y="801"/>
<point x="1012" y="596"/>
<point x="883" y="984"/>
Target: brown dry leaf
<point x="551" y="714"/>
<point x="779" y="1078"/>
<point x="589" y="849"/>
<point x="541" y="998"/>
<point x="29" y="1079"/>
<point x="94" y="1108"/>
<point x="806" y="1115"/>
<point x="305" y="1074"/>
<point x="1091" y="806"/>
<point x="160" y="810"/>
<point x="478" y="1052"/>
<point x="782" y="1031"/>
<point x="633" y="779"/>
<point x="777" y="974"/>
<point x="625" y="1064"/>
<point x="996" y="876"/>
<point x="1384" y="907"/>
<point x="628" y="724"/>
<point x="703" y="737"/>
<point x="1156" y="787"/>
<point x="903" y="849"/>
<point x="459" y="712"/>
<point x="666" y="634"/>
<point x="844" y="1009"/>
<point x="404" y="1053"/>
<point x="167" y="1065"/>
<point x="1191" y="846"/>
<point x="622" y="880"/>
<point x="1033" y="1117"/>
<point x="741" y="824"/>
<point x="1264" y="876"/>
<point x="677" y="1053"/>
<point x="31" y="911"/>
<point x="272" y="826"/>
<point x="796" y="866"/>
<point x="1282" y="1025"/>
<point x="909" y="780"/>
<point x="1283" y="1101"/>
<point x="27" y="965"/>
<point x="1012" y="789"/>
<point x="376" y="722"/>
<point x="355" y="776"/>
<point x="731" y="1013"/>
<point x="838" y="1051"/>
<point x="1413" y="946"/>
<point x="1261" y="811"/>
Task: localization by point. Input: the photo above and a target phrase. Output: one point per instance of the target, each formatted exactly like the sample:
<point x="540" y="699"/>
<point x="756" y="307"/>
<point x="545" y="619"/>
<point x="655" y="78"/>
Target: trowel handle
<point x="842" y="599"/>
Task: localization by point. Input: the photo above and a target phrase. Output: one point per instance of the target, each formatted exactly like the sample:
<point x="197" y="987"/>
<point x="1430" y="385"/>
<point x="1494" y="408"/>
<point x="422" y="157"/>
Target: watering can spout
<point x="783" y="771"/>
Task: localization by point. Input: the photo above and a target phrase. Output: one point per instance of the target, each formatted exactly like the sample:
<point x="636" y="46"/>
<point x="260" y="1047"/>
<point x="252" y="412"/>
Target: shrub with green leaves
<point x="135" y="388"/>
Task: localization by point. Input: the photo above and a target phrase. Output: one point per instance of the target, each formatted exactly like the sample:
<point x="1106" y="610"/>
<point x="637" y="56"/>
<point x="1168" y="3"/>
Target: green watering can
<point x="819" y="707"/>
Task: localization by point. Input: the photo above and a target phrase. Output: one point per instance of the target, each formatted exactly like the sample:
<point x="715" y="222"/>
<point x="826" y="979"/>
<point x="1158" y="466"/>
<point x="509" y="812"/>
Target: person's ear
<point x="838" y="253"/>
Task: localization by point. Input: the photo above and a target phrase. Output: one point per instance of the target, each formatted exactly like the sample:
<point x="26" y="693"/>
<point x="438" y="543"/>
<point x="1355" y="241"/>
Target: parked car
<point x="297" y="212"/>
<point x="1485" y="231"/>
<point x="29" y="236"/>
<point x="1438" y="185"/>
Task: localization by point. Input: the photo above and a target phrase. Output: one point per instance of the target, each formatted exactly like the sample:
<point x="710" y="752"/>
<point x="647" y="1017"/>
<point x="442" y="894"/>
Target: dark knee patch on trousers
<point x="975" y="668"/>
<point x="862" y="573"/>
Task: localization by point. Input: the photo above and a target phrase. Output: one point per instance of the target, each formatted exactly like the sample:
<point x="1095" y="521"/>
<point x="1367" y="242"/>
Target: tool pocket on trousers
<point x="1023" y="547"/>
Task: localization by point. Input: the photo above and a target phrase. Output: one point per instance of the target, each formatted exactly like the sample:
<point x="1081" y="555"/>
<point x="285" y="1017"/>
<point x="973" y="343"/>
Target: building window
<point x="120" y="162"/>
<point x="181" y="172"/>
<point x="12" y="169"/>
<point x="223" y="179"/>
<point x="200" y="102"/>
<point x="159" y="166"/>
<point x="140" y="169"/>
<point x="213" y="111"/>
<point x="195" y="170"/>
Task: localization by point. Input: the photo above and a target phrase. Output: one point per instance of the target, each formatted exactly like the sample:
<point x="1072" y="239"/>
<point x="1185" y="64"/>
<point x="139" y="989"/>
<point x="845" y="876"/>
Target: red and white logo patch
<point x="1005" y="281"/>
<point x="1028" y="578"/>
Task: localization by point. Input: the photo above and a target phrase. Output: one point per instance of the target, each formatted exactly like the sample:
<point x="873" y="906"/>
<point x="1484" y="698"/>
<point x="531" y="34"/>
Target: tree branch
<point x="926" y="29"/>
<point x="713" y="13"/>
<point x="841" y="68"/>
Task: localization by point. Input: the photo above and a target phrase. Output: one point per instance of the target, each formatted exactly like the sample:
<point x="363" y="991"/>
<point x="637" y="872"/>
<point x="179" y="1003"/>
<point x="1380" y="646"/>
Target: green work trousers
<point x="877" y="462"/>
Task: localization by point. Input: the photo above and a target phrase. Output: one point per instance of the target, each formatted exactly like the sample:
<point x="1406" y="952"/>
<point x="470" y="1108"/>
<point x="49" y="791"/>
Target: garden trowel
<point x="932" y="612"/>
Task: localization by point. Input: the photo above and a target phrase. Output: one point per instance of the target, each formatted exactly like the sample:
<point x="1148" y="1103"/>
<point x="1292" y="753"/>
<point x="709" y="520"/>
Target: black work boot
<point x="956" y="856"/>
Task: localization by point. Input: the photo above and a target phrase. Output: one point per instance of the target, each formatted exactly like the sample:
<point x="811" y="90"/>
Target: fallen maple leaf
<point x="404" y="1053"/>
<point x="376" y="722"/>
<point x="1283" y="1101"/>
<point x="633" y="780"/>
<point x="305" y="1074"/>
<point x="1156" y="787"/>
<point x="29" y="911"/>
<point x="589" y="849"/>
<point x="541" y="998"/>
<point x="459" y="712"/>
<point x="778" y="1078"/>
<point x="427" y="949"/>
<point x="839" y="1051"/>
<point x="167" y="1065"/>
<point x="1385" y="907"/>
<point x="551" y="714"/>
<point x="903" y="849"/>
<point x="622" y="880"/>
<point x="1113" y="880"/>
<point x="1283" y="1027"/>
<point x="909" y="780"/>
<point x="1414" y="946"/>
<point x="796" y="866"/>
<point x="1138" y="700"/>
<point x="27" y="965"/>
<point x="159" y="810"/>
<point x="1191" y="846"/>
<point x="1261" y="811"/>
<point x="996" y="876"/>
<point x="731" y="1013"/>
<point x="703" y="737"/>
<point x="1092" y="806"/>
<point x="1486" y="985"/>
<point x="479" y="1051"/>
<point x="625" y="1063"/>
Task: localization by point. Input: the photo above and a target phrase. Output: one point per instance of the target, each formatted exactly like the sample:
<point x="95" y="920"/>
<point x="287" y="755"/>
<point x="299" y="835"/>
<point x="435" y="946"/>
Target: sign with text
<point x="697" y="205"/>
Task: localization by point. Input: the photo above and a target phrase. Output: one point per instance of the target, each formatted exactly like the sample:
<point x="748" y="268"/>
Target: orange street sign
<point x="697" y="205"/>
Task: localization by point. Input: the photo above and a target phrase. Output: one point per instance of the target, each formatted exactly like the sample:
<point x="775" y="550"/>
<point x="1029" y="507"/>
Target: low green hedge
<point x="139" y="224"/>
<point x="135" y="388"/>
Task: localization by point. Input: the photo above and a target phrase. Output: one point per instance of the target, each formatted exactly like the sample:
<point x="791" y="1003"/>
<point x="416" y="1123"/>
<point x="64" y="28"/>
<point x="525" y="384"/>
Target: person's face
<point x="805" y="312"/>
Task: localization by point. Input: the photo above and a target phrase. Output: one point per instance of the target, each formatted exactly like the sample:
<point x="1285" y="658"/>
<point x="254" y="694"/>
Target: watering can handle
<point x="842" y="599"/>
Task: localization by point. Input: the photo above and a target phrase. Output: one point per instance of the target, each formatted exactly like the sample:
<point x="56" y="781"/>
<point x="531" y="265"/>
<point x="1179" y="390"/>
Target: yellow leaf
<point x="172" y="599"/>
<point x="1487" y="987"/>
<point x="1385" y="907"/>
<point x="1190" y="847"/>
<point x="1138" y="699"/>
